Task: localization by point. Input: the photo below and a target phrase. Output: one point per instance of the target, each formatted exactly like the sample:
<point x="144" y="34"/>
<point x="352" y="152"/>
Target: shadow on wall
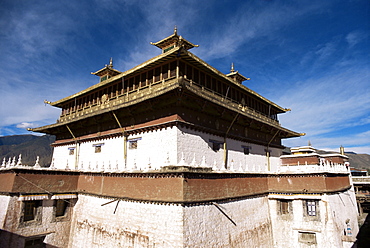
<point x="363" y="236"/>
<point x="9" y="239"/>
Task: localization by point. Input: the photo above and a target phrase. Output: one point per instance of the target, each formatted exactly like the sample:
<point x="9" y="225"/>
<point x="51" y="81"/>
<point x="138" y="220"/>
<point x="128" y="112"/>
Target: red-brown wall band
<point x="176" y="187"/>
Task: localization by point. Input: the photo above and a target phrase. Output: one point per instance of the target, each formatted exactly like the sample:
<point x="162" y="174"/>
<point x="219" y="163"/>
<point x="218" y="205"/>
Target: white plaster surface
<point x="4" y="202"/>
<point x="56" y="230"/>
<point x="333" y="212"/>
<point x="207" y="226"/>
<point x="168" y="146"/>
<point x="132" y="225"/>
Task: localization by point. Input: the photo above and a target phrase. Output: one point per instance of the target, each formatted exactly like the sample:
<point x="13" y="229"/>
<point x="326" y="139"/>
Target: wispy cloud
<point x="356" y="37"/>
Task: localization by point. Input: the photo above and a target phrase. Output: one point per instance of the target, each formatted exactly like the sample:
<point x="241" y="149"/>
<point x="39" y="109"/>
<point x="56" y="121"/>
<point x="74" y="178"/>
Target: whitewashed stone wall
<point x="207" y="226"/>
<point x="4" y="202"/>
<point x="333" y="211"/>
<point x="132" y="225"/>
<point x="157" y="148"/>
<point x="56" y="231"/>
<point x="194" y="145"/>
<point x="169" y="146"/>
<point x="111" y="154"/>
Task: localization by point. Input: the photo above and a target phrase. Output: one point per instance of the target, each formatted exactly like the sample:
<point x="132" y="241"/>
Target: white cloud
<point x="322" y="104"/>
<point x="250" y="22"/>
<point x="25" y="125"/>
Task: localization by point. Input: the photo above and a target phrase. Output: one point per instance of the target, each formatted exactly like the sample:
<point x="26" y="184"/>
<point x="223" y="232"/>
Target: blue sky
<point x="310" y="56"/>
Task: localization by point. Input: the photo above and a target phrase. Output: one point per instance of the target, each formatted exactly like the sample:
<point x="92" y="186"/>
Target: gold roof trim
<point x="232" y="81"/>
<point x="187" y="56"/>
<point x="121" y="75"/>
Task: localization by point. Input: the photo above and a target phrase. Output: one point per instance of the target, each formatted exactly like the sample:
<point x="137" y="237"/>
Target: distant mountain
<point x="360" y="161"/>
<point x="30" y="146"/>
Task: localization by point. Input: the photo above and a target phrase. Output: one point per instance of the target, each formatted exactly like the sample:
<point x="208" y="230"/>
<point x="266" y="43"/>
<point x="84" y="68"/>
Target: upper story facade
<point x="174" y="82"/>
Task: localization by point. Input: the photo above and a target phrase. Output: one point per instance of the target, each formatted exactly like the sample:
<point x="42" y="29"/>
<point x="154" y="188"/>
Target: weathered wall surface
<point x="134" y="186"/>
<point x="328" y="226"/>
<point x="4" y="202"/>
<point x="131" y="224"/>
<point x="247" y="224"/>
<point x="46" y="224"/>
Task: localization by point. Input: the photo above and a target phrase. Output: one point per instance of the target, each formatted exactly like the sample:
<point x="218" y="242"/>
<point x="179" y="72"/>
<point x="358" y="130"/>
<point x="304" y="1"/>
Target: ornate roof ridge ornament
<point x="173" y="41"/>
<point x="107" y="71"/>
<point x="235" y="75"/>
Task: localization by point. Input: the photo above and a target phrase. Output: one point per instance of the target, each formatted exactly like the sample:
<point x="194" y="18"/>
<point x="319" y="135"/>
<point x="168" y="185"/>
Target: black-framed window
<point x="133" y="143"/>
<point x="35" y="242"/>
<point x="98" y="147"/>
<point x="311" y="207"/>
<point x="61" y="207"/>
<point x="71" y="150"/>
<point x="285" y="206"/>
<point x="30" y="210"/>
<point x="216" y="145"/>
<point x="246" y="150"/>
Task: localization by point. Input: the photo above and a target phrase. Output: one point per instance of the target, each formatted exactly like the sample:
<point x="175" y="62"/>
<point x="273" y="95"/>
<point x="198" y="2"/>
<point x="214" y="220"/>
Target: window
<point x="71" y="151"/>
<point x="307" y="237"/>
<point x="34" y="242"/>
<point x="215" y="145"/>
<point x="98" y="147"/>
<point x="132" y="144"/>
<point x="60" y="207"/>
<point x="284" y="206"/>
<point x="30" y="210"/>
<point x="103" y="78"/>
<point x="246" y="149"/>
<point x="311" y="207"/>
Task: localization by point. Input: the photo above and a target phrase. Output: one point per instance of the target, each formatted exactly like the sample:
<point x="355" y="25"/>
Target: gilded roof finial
<point x="341" y="149"/>
<point x="110" y="63"/>
<point x="175" y="30"/>
<point x="232" y="67"/>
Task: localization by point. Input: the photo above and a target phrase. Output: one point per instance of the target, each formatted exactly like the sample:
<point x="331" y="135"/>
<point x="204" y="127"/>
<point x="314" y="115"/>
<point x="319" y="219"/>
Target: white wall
<point x="207" y="226"/>
<point x="4" y="202"/>
<point x="169" y="146"/>
<point x="194" y="144"/>
<point x="132" y="225"/>
<point x="333" y="209"/>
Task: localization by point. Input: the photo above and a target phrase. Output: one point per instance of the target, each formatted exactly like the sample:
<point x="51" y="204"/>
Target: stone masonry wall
<point x="131" y="224"/>
<point x="328" y="226"/>
<point x="46" y="224"/>
<point x="247" y="224"/>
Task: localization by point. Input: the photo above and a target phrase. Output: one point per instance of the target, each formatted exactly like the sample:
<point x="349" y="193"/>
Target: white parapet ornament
<point x="19" y="163"/>
<point x="37" y="165"/>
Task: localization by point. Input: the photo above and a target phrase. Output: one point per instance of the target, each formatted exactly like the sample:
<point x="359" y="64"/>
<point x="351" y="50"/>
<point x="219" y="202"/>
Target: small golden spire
<point x="341" y="149"/>
<point x="175" y="30"/>
<point x="232" y="67"/>
<point x="110" y="63"/>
